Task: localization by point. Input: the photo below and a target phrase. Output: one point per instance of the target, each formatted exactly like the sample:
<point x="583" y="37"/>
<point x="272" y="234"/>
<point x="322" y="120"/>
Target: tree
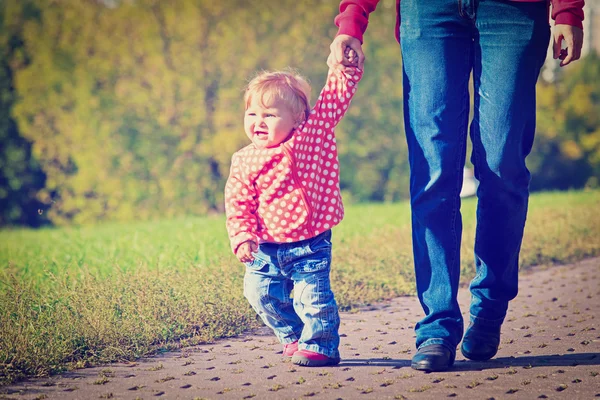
<point x="127" y="110"/>
<point x="567" y="150"/>
<point x="21" y="176"/>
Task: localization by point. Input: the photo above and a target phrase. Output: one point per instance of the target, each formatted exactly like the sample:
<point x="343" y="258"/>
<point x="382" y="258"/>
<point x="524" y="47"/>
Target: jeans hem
<point x="440" y="341"/>
<point x="289" y="340"/>
<point x="484" y="322"/>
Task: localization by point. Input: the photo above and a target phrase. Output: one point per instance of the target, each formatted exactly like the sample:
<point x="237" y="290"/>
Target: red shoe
<point x="290" y="348"/>
<point x="309" y="358"/>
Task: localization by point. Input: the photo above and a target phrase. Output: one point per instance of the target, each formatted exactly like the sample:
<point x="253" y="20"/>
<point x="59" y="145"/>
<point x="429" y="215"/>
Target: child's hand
<point x="349" y="67"/>
<point x="351" y="56"/>
<point x="245" y="250"/>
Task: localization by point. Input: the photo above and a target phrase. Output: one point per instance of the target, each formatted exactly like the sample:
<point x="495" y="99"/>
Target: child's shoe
<point x="290" y="348"/>
<point x="309" y="358"/>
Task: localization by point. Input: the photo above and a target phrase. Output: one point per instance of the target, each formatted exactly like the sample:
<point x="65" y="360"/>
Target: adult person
<point x="504" y="44"/>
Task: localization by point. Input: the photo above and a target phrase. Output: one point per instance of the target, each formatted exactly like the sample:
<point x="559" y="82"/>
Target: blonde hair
<point x="287" y="86"/>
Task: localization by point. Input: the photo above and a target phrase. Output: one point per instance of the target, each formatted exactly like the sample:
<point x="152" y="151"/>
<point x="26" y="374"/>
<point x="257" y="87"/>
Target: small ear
<point x="300" y="119"/>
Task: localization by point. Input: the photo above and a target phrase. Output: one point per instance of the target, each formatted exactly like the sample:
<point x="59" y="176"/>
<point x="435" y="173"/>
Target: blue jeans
<point x="504" y="44"/>
<point x="311" y="317"/>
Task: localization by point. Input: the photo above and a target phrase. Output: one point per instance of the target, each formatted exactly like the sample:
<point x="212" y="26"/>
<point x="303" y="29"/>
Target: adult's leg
<point x="510" y="48"/>
<point x="436" y="41"/>
<point x="509" y="52"/>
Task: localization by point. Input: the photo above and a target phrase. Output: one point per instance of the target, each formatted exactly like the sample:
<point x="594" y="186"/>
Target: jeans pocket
<point x="314" y="264"/>
<point x="257" y="264"/>
<point x="321" y="242"/>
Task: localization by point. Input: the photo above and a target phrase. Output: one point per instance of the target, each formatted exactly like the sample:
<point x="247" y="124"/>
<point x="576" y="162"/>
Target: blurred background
<point x="120" y="110"/>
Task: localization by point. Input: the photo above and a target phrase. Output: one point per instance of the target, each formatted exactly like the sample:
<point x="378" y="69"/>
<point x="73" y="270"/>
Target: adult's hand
<point x="573" y="39"/>
<point x="337" y="60"/>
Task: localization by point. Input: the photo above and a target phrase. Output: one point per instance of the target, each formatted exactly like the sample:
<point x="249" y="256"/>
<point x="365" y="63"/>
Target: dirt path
<point x="550" y="349"/>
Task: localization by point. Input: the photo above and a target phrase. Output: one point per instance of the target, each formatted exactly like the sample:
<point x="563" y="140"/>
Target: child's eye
<point x="270" y="115"/>
<point x="251" y="114"/>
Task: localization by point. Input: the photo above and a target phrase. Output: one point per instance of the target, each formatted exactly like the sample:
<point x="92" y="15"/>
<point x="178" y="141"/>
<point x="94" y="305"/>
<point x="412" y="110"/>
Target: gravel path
<point x="550" y="349"/>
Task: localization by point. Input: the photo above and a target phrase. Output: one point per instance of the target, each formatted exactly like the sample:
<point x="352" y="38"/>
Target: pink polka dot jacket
<point x="291" y="192"/>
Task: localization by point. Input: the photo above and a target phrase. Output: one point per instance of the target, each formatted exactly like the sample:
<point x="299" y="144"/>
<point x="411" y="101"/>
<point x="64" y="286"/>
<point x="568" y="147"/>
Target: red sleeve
<point x="240" y="207"/>
<point x="568" y="12"/>
<point x="334" y="99"/>
<point x="354" y="17"/>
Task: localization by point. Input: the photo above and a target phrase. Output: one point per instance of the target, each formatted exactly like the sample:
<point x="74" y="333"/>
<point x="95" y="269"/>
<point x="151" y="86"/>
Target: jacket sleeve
<point x="568" y="12"/>
<point x="240" y="207"/>
<point x="334" y="99"/>
<point x="354" y="17"/>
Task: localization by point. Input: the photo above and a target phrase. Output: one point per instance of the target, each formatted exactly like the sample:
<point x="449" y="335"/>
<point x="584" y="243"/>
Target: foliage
<point x="21" y="176"/>
<point x="567" y="149"/>
<point x="72" y="297"/>
<point x="138" y="120"/>
<point x="130" y="110"/>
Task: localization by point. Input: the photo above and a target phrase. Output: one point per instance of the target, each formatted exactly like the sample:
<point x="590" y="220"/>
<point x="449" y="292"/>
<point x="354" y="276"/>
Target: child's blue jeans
<point x="311" y="316"/>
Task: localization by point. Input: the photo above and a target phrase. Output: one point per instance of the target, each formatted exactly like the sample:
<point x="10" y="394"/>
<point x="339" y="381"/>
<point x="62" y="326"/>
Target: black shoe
<point x="432" y="358"/>
<point x="479" y="343"/>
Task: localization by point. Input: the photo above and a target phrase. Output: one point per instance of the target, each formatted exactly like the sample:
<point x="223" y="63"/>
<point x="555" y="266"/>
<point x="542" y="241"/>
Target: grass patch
<point x="74" y="297"/>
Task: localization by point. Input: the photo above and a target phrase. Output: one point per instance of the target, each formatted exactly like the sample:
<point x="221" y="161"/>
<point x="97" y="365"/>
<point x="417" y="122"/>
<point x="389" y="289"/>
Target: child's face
<point x="268" y="126"/>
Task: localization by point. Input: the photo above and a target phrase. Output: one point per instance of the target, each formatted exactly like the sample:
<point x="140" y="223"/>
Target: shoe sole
<point x="429" y="368"/>
<point x="305" y="362"/>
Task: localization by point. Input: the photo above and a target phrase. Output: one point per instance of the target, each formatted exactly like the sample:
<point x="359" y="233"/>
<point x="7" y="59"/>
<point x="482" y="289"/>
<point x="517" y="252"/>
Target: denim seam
<point x="269" y="305"/>
<point x="455" y="209"/>
<point x="465" y="16"/>
<point x="279" y="254"/>
<point x="326" y="335"/>
<point x="476" y="148"/>
<point x="320" y="300"/>
<point x="286" y="294"/>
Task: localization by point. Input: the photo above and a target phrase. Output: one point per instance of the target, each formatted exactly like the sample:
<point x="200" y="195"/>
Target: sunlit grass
<point x="78" y="296"/>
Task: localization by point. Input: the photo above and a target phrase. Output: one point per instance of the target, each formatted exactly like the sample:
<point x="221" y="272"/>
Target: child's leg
<point x="314" y="301"/>
<point x="268" y="291"/>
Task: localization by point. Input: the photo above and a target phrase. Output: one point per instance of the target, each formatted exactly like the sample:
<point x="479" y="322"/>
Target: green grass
<point x="74" y="297"/>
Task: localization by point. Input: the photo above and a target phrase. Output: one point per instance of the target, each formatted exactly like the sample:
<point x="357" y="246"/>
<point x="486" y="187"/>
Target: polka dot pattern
<point x="291" y="192"/>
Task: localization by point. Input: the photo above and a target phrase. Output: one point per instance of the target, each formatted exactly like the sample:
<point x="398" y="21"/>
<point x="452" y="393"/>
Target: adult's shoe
<point x="433" y="358"/>
<point x="480" y="343"/>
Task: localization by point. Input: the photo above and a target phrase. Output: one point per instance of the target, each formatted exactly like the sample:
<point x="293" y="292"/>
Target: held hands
<point x="245" y="250"/>
<point x="573" y="38"/>
<point x="346" y="51"/>
<point x="351" y="57"/>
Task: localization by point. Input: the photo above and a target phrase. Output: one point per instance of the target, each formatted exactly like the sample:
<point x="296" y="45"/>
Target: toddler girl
<point x="282" y="198"/>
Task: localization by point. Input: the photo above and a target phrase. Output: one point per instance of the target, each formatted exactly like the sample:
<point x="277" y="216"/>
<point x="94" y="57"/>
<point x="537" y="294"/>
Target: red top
<point x="291" y="192"/>
<point x="354" y="15"/>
